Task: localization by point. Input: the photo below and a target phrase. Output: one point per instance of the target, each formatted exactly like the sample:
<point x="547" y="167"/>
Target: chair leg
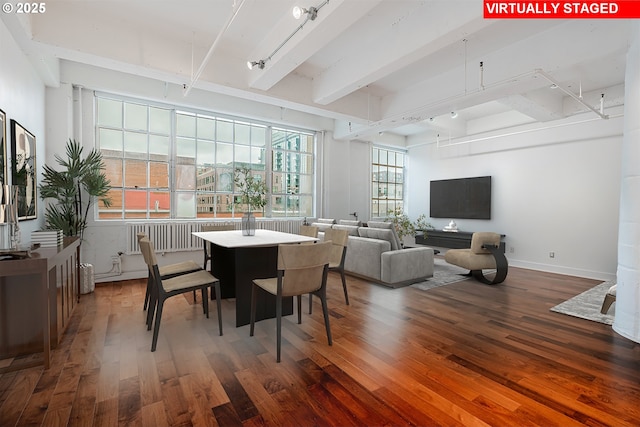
<point x="299" y="300"/>
<point x="195" y="296"/>
<point x="205" y="300"/>
<point x="152" y="308"/>
<point x="252" y="318"/>
<point x="344" y="286"/>
<point x="278" y="326"/>
<point x="606" y="304"/>
<point x="156" y="328"/>
<point x="310" y="303"/>
<point x="325" y="311"/>
<point x="216" y="290"/>
<point x="147" y="294"/>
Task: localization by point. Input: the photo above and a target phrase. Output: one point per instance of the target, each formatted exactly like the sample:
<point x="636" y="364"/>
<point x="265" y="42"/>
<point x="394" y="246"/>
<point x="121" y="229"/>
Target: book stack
<point x="47" y="238"/>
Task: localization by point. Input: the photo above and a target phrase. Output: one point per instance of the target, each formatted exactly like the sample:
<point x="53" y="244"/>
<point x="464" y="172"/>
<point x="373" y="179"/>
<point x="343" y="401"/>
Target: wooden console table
<point x="37" y="297"/>
<point x="449" y="239"/>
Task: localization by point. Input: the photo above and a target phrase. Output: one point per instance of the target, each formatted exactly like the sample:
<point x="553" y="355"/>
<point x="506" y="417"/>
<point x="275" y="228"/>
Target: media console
<point x="449" y="239"/>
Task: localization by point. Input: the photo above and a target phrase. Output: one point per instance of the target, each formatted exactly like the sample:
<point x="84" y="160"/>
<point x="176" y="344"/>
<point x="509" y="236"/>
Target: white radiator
<point x="177" y="237"/>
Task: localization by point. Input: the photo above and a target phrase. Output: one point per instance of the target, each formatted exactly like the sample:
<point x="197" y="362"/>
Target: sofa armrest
<point x="363" y="256"/>
<point x="406" y="265"/>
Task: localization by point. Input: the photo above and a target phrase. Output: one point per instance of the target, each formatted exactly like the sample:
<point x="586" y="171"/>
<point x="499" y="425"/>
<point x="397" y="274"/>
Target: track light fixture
<point x="252" y="64"/>
<point x="299" y="11"/>
<point x="312" y="13"/>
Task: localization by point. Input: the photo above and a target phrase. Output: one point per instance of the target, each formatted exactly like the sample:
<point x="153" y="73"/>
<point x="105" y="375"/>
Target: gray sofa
<point x="375" y="253"/>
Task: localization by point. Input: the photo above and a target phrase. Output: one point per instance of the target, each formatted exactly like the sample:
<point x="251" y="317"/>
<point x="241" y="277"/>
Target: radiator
<point x="177" y="237"/>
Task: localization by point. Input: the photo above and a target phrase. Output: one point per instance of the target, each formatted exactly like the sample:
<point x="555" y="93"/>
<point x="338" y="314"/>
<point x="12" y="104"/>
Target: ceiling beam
<point x="332" y="19"/>
<point x="421" y="32"/>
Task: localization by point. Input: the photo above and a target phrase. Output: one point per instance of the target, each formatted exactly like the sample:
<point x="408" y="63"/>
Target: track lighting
<point x="252" y="64"/>
<point x="299" y="11"/>
<point x="312" y="13"/>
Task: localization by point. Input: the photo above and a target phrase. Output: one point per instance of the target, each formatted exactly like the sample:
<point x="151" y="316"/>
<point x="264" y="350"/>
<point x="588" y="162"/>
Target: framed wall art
<point x="23" y="169"/>
<point x="3" y="149"/>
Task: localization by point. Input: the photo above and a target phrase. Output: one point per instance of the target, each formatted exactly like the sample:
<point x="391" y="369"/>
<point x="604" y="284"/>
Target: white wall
<point x="22" y="98"/>
<point x="555" y="188"/>
<point x="346" y="179"/>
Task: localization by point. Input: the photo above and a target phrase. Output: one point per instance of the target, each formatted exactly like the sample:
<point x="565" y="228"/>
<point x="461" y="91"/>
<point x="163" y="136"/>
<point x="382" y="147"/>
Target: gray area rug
<point x="587" y="305"/>
<point x="443" y="274"/>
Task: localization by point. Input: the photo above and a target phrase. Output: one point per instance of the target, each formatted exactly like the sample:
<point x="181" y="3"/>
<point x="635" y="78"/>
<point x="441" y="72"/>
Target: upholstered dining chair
<point x="168" y="271"/>
<point x="309" y="230"/>
<point x="338" y="239"/>
<point x="207" y="247"/>
<point x="484" y="253"/>
<point x="302" y="269"/>
<point x="163" y="289"/>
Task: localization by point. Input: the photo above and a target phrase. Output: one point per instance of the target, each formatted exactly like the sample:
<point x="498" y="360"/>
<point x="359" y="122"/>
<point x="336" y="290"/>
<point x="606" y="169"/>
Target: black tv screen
<point x="461" y="198"/>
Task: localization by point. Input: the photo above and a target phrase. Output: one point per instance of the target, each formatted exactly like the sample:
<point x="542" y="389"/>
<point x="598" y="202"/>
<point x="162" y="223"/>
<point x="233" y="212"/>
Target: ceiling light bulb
<point x="454" y="114"/>
<point x="252" y="64"/>
<point x="297" y="12"/>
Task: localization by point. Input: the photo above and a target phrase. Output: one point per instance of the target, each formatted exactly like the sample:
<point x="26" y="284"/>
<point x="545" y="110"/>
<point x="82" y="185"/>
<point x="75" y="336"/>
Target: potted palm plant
<point x="75" y="188"/>
<point x="253" y="194"/>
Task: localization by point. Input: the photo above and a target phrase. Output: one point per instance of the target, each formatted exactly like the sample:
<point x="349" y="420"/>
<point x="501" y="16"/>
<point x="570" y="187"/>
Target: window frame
<point x="393" y="187"/>
<point x="200" y="193"/>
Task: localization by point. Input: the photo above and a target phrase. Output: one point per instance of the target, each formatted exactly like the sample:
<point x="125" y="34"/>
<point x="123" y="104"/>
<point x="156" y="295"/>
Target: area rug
<point x="443" y="274"/>
<point x="587" y="305"/>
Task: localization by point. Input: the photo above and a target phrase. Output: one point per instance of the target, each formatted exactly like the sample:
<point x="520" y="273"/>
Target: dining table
<point x="238" y="259"/>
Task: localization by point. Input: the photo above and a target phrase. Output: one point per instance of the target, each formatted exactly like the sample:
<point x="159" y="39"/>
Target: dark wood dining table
<point x="238" y="259"/>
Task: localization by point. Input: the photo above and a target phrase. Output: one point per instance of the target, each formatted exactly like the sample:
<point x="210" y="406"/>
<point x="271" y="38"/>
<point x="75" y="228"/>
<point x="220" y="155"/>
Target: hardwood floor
<point x="465" y="354"/>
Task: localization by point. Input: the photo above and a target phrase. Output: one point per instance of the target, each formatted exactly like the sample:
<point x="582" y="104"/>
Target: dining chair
<point x="207" y="245"/>
<point x="338" y="239"/>
<point x="309" y="230"/>
<point x="162" y="289"/>
<point x="207" y="248"/>
<point x="302" y="269"/>
<point x="167" y="271"/>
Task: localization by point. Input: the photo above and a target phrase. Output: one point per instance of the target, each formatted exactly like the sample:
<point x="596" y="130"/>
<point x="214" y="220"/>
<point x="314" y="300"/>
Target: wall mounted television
<point x="468" y="198"/>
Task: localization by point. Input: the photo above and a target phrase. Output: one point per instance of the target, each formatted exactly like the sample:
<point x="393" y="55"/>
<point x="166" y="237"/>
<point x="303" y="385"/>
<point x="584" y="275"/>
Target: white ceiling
<point x="399" y="66"/>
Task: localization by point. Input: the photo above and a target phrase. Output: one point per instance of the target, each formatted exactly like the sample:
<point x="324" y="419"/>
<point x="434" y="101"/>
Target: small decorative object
<point x="3" y="149"/>
<point x="451" y="227"/>
<point x="23" y="169"/>
<point x="248" y="224"/>
<point x="10" y="236"/>
<point x="253" y="194"/>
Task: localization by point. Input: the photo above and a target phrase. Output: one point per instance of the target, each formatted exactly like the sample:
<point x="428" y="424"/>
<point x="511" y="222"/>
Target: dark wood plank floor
<point x="465" y="354"/>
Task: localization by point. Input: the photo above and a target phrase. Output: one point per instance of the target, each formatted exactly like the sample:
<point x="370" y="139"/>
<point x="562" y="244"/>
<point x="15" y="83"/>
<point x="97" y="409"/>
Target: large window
<point x="387" y="181"/>
<point x="166" y="163"/>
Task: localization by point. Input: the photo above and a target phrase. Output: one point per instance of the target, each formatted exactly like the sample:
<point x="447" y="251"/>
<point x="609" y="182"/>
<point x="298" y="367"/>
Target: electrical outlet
<point x="512" y="249"/>
<point x="552" y="254"/>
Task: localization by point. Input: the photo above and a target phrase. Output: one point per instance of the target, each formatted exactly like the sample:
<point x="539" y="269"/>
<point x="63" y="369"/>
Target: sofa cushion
<point x="322" y="226"/>
<point x="379" y="224"/>
<point x="326" y="220"/>
<point x="381" y="234"/>
<point x="351" y="229"/>
<point x="389" y="226"/>
<point x="350" y="222"/>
